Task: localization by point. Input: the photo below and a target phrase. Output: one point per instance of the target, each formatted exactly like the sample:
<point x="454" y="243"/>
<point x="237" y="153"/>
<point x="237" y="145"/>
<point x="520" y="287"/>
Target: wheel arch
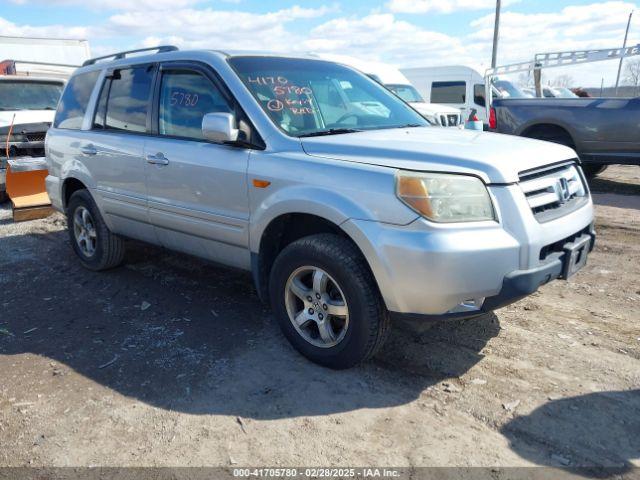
<point x="283" y="230"/>
<point x="548" y="130"/>
<point x="70" y="185"/>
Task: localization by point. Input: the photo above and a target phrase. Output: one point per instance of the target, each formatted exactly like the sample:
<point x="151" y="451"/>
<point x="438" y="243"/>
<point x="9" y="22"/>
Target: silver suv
<point x="349" y="210"/>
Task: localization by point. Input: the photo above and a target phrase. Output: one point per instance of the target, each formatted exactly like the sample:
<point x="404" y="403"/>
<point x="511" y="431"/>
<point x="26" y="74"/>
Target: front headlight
<point x="446" y="198"/>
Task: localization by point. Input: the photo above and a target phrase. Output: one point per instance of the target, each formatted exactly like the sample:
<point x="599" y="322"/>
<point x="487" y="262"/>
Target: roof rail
<point x="120" y="55"/>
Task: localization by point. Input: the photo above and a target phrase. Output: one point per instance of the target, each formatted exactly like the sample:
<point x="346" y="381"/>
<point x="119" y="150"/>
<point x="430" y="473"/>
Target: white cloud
<point x="378" y="36"/>
<point x="598" y="25"/>
<point x="119" y="4"/>
<point x="384" y="37"/>
<point x="443" y="6"/>
<point x="208" y="28"/>
<point x="579" y="27"/>
<point x="11" y="29"/>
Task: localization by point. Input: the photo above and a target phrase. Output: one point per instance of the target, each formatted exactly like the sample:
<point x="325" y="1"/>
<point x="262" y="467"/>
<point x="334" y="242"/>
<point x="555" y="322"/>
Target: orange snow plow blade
<point x="26" y="189"/>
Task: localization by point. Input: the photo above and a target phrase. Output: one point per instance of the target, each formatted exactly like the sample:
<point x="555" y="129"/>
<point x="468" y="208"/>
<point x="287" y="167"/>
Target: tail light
<point x="493" y="122"/>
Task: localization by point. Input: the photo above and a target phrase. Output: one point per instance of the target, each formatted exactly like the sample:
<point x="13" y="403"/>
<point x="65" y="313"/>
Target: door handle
<point x="89" y="150"/>
<point x="157" y="159"/>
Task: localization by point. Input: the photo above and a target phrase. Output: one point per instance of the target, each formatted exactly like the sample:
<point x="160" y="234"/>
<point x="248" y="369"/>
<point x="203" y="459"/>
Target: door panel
<point x="113" y="150"/>
<point x="198" y="199"/>
<point x="119" y="172"/>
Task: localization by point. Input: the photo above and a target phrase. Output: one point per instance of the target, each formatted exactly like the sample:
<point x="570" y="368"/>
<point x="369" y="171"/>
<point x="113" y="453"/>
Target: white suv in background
<point x="394" y="80"/>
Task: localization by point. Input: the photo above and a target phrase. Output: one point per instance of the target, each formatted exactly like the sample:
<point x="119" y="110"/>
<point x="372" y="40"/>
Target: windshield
<point x="408" y="93"/>
<point x="509" y="90"/>
<point x="310" y="97"/>
<point x="21" y="95"/>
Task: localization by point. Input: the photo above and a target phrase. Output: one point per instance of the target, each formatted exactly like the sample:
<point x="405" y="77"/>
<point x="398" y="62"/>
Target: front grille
<point x="449" y="120"/>
<point x="553" y="191"/>
<point x="36" y="136"/>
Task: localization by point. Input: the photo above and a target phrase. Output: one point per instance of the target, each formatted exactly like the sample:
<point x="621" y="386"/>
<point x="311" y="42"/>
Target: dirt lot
<point x="172" y="361"/>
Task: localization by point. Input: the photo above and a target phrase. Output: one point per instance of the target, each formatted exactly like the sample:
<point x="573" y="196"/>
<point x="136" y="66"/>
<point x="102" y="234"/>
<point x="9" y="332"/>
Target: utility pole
<point x="624" y="46"/>
<point x="496" y="30"/>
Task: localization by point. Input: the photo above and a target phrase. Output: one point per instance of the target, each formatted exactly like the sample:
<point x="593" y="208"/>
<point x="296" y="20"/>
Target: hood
<point x="494" y="157"/>
<point x="26" y="116"/>
<point x="434" y="108"/>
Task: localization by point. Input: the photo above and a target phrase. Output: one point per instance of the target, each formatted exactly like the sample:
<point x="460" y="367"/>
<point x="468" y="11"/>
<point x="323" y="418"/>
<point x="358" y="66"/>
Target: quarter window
<point x="448" y="92"/>
<point x="185" y="98"/>
<point x="124" y="100"/>
<point x="478" y="94"/>
<point x="74" y="101"/>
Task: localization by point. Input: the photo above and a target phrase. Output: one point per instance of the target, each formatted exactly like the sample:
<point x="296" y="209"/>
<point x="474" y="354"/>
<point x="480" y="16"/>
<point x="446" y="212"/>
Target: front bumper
<point x="429" y="271"/>
<point x="515" y="286"/>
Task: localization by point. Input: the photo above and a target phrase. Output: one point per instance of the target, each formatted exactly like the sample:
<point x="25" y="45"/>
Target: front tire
<point x="327" y="302"/>
<point x="91" y="240"/>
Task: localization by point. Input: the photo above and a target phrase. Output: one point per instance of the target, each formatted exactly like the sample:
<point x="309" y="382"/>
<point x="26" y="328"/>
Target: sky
<point x="404" y="33"/>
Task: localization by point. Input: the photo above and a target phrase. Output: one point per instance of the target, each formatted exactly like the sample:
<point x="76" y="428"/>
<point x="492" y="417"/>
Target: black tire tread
<point x="111" y="245"/>
<point x="344" y="252"/>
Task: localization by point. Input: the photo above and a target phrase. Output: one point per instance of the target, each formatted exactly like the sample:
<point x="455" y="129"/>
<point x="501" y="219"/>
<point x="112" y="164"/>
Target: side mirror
<point x="219" y="127"/>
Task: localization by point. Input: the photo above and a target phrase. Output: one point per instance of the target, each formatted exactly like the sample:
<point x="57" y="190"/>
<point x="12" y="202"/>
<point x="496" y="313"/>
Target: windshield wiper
<point x="330" y="131"/>
<point x="411" y="125"/>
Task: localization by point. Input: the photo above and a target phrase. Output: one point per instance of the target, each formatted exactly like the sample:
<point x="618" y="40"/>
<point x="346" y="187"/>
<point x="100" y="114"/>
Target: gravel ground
<point x="170" y="361"/>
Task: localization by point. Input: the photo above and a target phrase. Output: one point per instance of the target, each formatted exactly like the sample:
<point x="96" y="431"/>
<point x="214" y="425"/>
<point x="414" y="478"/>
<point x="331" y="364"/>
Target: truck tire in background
<point x="591" y="170"/>
<point x="558" y="135"/>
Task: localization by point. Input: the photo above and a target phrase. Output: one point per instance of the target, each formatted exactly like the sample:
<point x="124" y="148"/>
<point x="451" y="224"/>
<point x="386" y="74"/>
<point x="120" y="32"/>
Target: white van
<point x="457" y="86"/>
<point x="394" y="80"/>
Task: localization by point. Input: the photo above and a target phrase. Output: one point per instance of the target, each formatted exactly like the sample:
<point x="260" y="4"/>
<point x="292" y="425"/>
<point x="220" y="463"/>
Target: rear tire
<point x="91" y="240"/>
<point x="328" y="274"/>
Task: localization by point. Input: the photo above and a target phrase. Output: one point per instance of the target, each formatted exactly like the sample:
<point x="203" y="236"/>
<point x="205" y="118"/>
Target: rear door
<point x="113" y="149"/>
<point x="198" y="199"/>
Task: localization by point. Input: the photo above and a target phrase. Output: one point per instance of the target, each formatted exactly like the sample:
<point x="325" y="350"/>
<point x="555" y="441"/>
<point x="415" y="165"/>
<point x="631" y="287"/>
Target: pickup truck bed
<point x="603" y="131"/>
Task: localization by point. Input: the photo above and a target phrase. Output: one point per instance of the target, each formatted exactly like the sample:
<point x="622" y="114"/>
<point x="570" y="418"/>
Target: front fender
<point x="331" y="189"/>
<point x="312" y="200"/>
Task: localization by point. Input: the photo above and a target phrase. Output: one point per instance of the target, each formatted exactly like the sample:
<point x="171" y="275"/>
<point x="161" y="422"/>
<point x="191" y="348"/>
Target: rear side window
<point x="448" y="92"/>
<point x="124" y="100"/>
<point x="186" y="97"/>
<point x="74" y="101"/>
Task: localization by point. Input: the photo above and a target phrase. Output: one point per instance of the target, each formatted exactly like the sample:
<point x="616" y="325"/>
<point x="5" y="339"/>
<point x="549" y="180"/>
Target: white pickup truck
<point x="27" y="107"/>
<point x="33" y="72"/>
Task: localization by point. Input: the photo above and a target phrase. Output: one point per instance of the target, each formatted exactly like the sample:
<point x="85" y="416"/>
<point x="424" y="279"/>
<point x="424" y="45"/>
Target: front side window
<point x="310" y="97"/>
<point x="124" y="100"/>
<point x="74" y="101"/>
<point x="186" y="97"/>
<point x="408" y="93"/>
<point x="448" y="92"/>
